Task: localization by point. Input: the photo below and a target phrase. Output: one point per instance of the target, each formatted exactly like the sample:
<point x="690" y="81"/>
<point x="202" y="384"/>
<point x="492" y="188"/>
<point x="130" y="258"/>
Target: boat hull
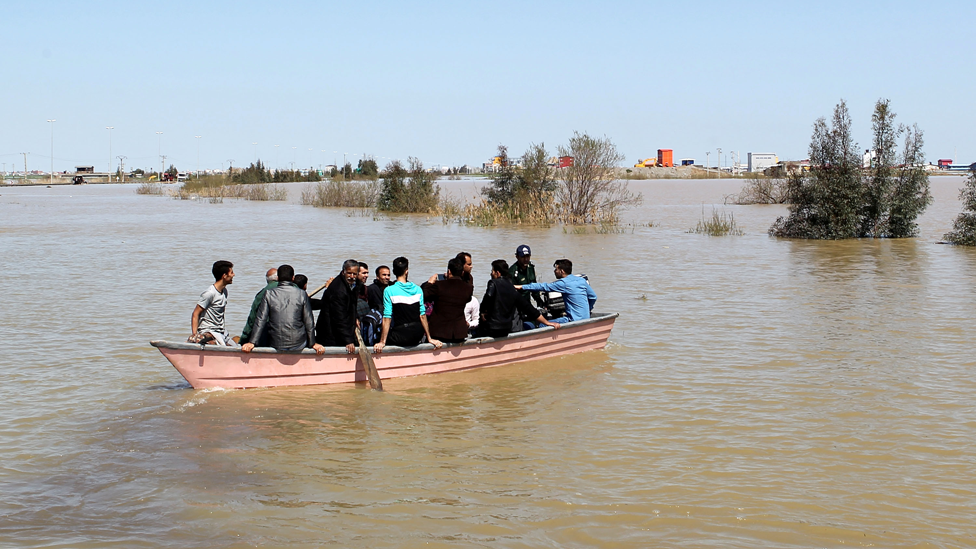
<point x="206" y="366"/>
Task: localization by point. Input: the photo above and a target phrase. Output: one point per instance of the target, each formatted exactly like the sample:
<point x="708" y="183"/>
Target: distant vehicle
<point x="77" y="180"/>
<point x="687" y="161"/>
<point x="167" y="176"/>
<point x="646" y="163"/>
<point x="182" y="176"/>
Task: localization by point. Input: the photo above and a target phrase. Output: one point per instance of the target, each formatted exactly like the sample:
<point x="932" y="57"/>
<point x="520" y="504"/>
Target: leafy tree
<point x="964" y="227"/>
<point x="172" y="170"/>
<point x="590" y="189"/>
<point x="524" y="192"/>
<point x="368" y="168"/>
<point x="836" y="199"/>
<point x="409" y="189"/>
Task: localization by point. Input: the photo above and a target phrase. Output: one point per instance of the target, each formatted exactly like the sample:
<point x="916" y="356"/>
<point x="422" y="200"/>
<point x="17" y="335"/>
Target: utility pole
<point x="718" y="160"/>
<point x="159" y="151"/>
<point x="25" y="165"/>
<point x="708" y="163"/>
<point x="231" y="168"/>
<point x="52" y="121"/>
<point x="109" y="128"/>
<point x="163" y="163"/>
<point x="198" y="156"/>
<point x="122" y="166"/>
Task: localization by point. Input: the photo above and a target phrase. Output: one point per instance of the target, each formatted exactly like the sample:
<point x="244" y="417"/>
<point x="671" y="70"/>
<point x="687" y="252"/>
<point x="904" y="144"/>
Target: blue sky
<point x="448" y="82"/>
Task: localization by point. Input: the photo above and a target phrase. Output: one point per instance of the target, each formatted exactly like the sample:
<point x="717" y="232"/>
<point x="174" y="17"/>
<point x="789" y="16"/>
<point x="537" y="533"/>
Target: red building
<point x="565" y="162"/>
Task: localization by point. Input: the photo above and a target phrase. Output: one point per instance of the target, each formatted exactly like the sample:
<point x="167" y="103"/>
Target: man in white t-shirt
<point x="208" y="315"/>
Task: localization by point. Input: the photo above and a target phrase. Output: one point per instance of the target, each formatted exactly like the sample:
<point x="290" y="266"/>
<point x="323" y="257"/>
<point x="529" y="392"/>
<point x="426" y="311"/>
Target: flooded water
<point x="755" y="392"/>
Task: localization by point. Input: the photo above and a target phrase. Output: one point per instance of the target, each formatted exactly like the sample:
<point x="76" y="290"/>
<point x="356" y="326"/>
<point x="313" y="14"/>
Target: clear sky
<point x="448" y="82"/>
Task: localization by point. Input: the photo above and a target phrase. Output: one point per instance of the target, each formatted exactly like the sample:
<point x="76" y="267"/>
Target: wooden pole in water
<point x="374" y="377"/>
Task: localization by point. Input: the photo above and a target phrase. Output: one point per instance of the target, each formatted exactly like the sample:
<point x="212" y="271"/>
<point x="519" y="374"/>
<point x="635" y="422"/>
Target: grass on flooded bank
<point x="717" y="225"/>
<point x="342" y="194"/>
<point x="216" y="190"/>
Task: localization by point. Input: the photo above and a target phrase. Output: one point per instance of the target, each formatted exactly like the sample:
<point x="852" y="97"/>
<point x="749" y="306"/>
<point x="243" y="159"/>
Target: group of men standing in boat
<point x="392" y="310"/>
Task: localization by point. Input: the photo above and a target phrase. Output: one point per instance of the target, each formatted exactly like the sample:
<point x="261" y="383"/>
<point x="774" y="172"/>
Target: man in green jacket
<point x="523" y="272"/>
<point x="272" y="277"/>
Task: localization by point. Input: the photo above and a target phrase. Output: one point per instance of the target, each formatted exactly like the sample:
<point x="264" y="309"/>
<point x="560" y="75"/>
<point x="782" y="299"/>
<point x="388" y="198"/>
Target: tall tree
<point x="590" y="189"/>
<point x="964" y="227"/>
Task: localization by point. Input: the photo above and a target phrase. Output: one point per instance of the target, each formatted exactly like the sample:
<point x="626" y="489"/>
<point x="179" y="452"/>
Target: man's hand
<point x="378" y="348"/>
<point x="247" y="347"/>
<point x="432" y="279"/>
<point x="518" y="287"/>
<point x="351" y="348"/>
<point x="319" y="349"/>
<point x="437" y="344"/>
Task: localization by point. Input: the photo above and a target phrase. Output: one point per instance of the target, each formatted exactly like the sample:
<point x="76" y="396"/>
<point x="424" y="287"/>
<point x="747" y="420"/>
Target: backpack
<point x="371" y="325"/>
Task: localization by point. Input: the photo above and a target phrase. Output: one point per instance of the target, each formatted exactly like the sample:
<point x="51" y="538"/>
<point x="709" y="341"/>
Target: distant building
<point x="867" y="159"/>
<point x="84" y="169"/>
<point x="760" y="161"/>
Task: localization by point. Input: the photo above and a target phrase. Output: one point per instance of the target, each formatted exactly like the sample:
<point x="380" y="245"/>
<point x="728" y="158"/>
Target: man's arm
<point x="423" y="322"/>
<point x="590" y="296"/>
<point x="309" y="328"/>
<point x="378" y="348"/>
<point x="259" y="324"/>
<point x="557" y="286"/>
<point x="195" y="319"/>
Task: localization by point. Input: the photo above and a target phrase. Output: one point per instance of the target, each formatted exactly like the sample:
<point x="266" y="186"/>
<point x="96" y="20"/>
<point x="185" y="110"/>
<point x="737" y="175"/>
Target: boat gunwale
<point x="181" y="346"/>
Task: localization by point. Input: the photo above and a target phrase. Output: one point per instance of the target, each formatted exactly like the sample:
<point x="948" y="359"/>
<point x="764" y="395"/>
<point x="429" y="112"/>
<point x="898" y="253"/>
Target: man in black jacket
<point x="502" y="308"/>
<point x="336" y="326"/>
<point x="286" y="314"/>
<point x="374" y="293"/>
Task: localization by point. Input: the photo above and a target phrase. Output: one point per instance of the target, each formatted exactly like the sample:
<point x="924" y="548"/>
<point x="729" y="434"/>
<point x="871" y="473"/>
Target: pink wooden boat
<point x="211" y="366"/>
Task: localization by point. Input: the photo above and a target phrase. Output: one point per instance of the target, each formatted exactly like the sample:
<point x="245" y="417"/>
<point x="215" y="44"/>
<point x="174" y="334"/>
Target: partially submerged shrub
<point x="150" y="187"/>
<point x="760" y="191"/>
<point x="338" y="193"/>
<point x="717" y="225"/>
<point x="409" y="189"/>
<point x="964" y="227"/>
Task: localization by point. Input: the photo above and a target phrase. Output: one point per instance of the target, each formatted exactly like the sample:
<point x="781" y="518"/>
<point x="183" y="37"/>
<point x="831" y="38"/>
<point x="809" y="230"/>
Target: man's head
<point x="271" y="275"/>
<point x="455" y="268"/>
<point x="400" y="266"/>
<point x="562" y="267"/>
<point x="286" y="273"/>
<point x="523" y="254"/>
<point x="301" y="281"/>
<point x="465" y="258"/>
<point x="383" y="275"/>
<point x="499" y="269"/>
<point x="363" y="273"/>
<point x="350" y="271"/>
<point x="223" y="270"/>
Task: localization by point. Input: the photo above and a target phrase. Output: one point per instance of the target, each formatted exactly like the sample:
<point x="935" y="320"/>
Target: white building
<point x="760" y="161"/>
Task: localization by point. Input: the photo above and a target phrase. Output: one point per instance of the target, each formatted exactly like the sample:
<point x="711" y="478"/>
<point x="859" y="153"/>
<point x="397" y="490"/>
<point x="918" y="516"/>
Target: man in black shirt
<point x="502" y="308"/>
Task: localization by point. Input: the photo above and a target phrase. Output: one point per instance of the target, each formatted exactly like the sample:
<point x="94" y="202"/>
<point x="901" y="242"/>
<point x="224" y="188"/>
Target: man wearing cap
<point x="523" y="272"/>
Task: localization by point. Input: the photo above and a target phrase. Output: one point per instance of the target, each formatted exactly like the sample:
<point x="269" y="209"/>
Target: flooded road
<point x="755" y="392"/>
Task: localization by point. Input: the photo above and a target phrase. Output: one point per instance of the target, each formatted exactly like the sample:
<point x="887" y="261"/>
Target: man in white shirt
<point x="208" y="315"/>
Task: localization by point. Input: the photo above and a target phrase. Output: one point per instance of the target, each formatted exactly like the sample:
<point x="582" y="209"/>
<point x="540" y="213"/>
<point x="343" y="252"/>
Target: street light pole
<point x="719" y="162"/>
<point x="708" y="163"/>
<point x="109" y="128"/>
<point x="52" y="121"/>
<point x="197" y="137"/>
<point x="122" y="166"/>
<point x="159" y="151"/>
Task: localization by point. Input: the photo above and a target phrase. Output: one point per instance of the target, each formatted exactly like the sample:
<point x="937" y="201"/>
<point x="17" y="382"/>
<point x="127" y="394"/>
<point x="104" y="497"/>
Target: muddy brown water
<point x="756" y="392"/>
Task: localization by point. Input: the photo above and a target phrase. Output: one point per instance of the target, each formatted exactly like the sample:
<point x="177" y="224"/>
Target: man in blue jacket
<point x="578" y="296"/>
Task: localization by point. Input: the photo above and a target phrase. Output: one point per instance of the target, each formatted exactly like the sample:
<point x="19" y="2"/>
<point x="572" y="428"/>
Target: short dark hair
<point x="501" y="266"/>
<point x="286" y="273"/>
<point x="456" y="267"/>
<point x="381" y="267"/>
<point x="220" y="268"/>
<point x="301" y="281"/>
<point x="564" y="264"/>
<point x="350" y="264"/>
<point x="400" y="266"/>
<point x="462" y="256"/>
<point x="363" y="266"/>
